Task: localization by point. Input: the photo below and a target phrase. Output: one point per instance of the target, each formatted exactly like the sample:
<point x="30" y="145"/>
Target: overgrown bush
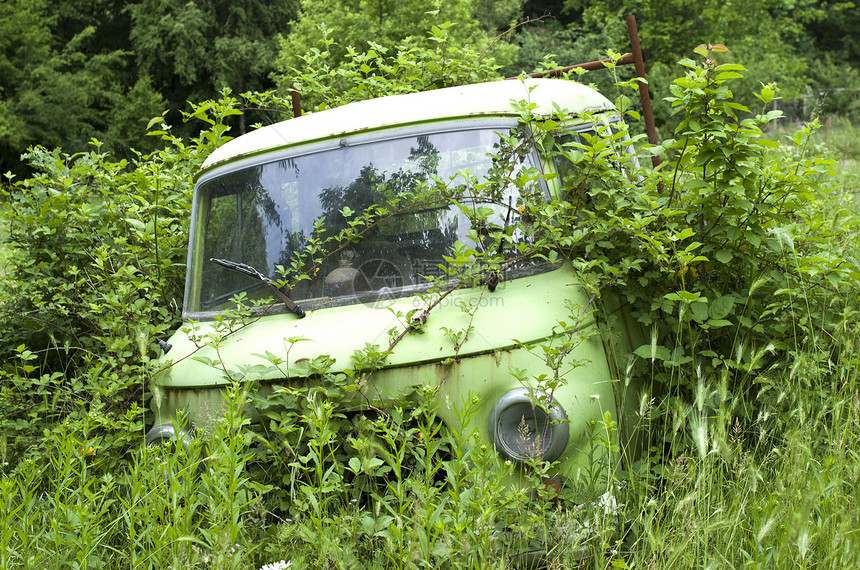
<point x="409" y="67"/>
<point x="95" y="253"/>
<point x="739" y="255"/>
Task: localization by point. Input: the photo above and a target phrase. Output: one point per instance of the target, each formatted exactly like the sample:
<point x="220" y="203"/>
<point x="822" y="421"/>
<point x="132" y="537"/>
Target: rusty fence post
<point x="644" y="95"/>
<point x="297" y="104"/>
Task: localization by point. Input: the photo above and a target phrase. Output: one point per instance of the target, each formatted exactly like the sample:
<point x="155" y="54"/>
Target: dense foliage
<point x="325" y="80"/>
<point x="782" y="41"/>
<point x="738" y="255"/>
<point x="78" y="69"/>
<point x="94" y="253"/>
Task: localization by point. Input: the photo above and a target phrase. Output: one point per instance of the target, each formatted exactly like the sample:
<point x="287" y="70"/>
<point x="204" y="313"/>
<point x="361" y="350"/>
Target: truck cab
<point x="400" y="227"/>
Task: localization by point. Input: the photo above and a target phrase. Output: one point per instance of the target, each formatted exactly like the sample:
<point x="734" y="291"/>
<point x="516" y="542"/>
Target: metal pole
<point x="644" y="97"/>
<point x="297" y="104"/>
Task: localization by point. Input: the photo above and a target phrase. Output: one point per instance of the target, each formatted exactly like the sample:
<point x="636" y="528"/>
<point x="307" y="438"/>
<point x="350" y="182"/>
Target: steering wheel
<point x="380" y="273"/>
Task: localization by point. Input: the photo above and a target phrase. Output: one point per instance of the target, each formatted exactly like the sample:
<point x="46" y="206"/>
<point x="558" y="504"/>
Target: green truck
<point x="402" y="223"/>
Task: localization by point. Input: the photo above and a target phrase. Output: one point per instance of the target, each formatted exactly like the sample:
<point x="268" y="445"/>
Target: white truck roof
<point x="496" y="98"/>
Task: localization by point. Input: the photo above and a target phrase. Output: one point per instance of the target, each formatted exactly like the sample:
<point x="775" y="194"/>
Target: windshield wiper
<point x="251" y="272"/>
<point x="493" y="276"/>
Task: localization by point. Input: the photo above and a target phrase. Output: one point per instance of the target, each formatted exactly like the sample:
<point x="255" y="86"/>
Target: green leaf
<point x="655" y="352"/>
<point x="728" y="75"/>
<point x="720" y="307"/>
<point x="699" y="312"/>
<point x="685" y="296"/>
<point x="678" y="358"/>
<point x="730" y="67"/>
<point x="153" y="121"/>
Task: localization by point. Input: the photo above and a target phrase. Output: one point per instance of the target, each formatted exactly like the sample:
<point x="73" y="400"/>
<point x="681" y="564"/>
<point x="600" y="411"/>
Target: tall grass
<point x="438" y="501"/>
<point x="784" y="491"/>
<point x="782" y="494"/>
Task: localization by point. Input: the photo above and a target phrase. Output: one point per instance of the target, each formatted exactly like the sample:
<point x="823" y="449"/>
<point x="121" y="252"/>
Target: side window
<point x="592" y="161"/>
<point x="571" y="162"/>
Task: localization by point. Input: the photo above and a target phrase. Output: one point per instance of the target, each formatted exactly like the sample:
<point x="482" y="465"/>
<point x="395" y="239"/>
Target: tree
<point x="410" y="66"/>
<point x="192" y="50"/>
<point x="782" y="41"/>
<point x="61" y="89"/>
<point x="24" y="43"/>
<point x="835" y="72"/>
<point x="387" y="23"/>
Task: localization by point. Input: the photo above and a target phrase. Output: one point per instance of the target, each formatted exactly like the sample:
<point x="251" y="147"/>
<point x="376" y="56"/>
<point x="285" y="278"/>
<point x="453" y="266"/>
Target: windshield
<point x="362" y="222"/>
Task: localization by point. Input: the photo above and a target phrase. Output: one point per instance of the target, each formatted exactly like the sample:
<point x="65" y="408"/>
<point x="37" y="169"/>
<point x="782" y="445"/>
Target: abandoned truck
<point x="402" y="224"/>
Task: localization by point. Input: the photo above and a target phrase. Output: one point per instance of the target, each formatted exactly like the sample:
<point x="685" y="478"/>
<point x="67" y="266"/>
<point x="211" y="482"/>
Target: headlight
<point x="528" y="425"/>
<point x="166" y="433"/>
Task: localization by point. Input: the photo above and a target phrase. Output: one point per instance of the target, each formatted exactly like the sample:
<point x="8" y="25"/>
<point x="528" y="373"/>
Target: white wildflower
<point x="280" y="565"/>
